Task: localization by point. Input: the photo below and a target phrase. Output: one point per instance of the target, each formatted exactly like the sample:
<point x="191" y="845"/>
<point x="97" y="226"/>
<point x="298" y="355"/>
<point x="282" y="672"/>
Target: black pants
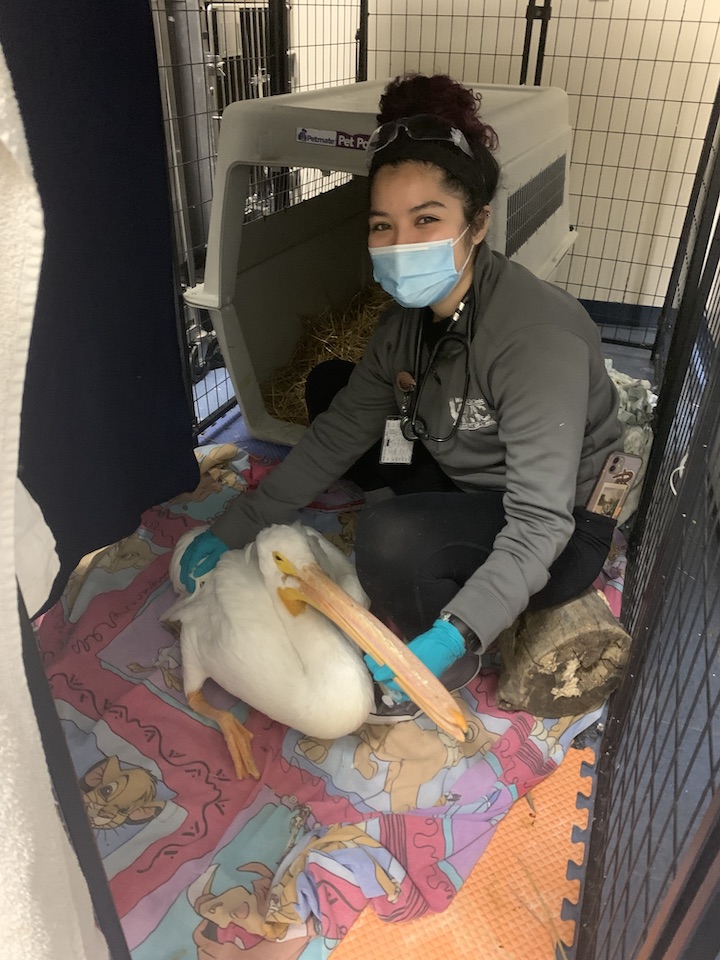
<point x="415" y="551"/>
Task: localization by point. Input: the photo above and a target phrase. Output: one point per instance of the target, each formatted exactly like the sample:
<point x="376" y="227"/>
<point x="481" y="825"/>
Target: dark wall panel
<point x="106" y="428"/>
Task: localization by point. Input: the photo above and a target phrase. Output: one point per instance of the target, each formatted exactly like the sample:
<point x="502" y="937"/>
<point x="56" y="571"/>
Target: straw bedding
<point x="334" y="334"/>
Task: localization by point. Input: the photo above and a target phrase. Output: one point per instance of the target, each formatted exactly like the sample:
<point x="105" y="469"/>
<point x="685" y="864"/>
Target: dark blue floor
<point x="231" y="428"/>
<point x="634" y="361"/>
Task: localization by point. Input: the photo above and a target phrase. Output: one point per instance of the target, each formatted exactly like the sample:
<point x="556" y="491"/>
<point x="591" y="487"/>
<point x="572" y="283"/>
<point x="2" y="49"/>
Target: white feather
<point x="300" y="670"/>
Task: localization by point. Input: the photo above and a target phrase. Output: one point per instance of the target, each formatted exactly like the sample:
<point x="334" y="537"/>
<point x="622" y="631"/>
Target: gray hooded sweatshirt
<point x="539" y="422"/>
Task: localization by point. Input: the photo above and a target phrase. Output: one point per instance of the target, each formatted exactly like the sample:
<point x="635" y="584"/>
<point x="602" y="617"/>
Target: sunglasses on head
<point x="424" y="126"/>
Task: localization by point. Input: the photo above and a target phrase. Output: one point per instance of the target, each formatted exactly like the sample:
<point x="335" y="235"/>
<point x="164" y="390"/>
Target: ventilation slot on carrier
<point x="534" y="203"/>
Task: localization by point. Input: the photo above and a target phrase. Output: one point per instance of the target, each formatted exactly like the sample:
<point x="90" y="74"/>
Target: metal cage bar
<point x="688" y="239"/>
<point x="659" y="770"/>
<point x="688" y="926"/>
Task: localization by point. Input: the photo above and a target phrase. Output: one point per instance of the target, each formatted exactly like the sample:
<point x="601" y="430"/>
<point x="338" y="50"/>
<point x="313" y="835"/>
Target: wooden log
<point x="562" y="661"/>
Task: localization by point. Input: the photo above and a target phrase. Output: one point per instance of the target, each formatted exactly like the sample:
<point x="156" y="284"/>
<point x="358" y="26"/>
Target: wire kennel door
<point x="214" y="53"/>
<point x="654" y="872"/>
<point x="247" y="46"/>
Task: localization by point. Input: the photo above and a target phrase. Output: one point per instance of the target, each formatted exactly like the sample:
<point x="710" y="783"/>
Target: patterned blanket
<point x="204" y="866"/>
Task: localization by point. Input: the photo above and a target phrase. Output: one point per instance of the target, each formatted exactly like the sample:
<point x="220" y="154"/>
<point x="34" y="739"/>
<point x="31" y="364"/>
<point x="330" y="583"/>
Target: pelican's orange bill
<point x="312" y="586"/>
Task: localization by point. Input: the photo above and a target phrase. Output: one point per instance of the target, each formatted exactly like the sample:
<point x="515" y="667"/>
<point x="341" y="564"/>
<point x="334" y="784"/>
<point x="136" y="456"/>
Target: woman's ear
<point x="481" y="224"/>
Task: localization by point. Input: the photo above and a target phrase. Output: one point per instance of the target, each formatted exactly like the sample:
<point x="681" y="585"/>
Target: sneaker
<point x="457" y="676"/>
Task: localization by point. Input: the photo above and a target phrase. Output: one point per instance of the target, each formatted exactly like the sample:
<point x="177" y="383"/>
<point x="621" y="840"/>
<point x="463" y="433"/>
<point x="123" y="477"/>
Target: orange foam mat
<point x="510" y="905"/>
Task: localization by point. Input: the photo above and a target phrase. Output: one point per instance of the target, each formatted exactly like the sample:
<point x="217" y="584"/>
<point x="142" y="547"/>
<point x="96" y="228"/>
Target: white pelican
<point x="252" y="628"/>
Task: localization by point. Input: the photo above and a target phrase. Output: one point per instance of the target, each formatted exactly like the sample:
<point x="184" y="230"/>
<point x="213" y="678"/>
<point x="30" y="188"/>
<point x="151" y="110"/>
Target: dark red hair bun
<point x="440" y="95"/>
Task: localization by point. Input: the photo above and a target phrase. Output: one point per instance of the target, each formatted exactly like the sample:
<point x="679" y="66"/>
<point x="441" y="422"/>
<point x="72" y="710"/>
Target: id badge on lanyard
<point x="395" y="448"/>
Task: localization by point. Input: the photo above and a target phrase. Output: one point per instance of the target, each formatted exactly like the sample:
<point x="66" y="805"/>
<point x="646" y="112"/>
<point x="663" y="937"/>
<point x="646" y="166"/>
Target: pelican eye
<point x="283" y="564"/>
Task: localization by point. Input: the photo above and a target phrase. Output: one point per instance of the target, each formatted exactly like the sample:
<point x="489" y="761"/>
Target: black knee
<point x="323" y="382"/>
<point x="386" y="534"/>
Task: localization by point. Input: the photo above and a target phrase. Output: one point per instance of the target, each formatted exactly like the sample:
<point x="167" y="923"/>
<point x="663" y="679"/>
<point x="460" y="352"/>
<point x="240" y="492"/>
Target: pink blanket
<point x="203" y="866"/>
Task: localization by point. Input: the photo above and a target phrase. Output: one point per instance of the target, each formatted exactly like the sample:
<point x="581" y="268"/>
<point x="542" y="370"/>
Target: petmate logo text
<point x="332" y="138"/>
<point x="326" y="138"/>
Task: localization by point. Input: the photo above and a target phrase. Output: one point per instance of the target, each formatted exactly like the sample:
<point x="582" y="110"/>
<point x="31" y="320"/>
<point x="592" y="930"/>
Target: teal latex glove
<point x="200" y="558"/>
<point x="438" y="648"/>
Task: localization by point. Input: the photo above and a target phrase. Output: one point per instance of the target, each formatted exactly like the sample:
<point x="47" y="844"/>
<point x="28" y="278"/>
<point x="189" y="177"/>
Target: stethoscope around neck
<point x="412" y="425"/>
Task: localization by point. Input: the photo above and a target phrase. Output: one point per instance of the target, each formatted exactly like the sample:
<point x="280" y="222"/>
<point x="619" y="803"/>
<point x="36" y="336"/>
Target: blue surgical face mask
<point x="418" y="274"/>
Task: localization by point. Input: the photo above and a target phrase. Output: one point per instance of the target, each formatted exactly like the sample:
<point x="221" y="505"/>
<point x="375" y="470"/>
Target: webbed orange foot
<point x="236" y="736"/>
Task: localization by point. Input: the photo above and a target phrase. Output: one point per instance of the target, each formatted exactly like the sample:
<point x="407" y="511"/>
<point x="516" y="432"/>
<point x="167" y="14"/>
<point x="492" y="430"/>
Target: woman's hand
<point x="438" y="648"/>
<point x="200" y="557"/>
